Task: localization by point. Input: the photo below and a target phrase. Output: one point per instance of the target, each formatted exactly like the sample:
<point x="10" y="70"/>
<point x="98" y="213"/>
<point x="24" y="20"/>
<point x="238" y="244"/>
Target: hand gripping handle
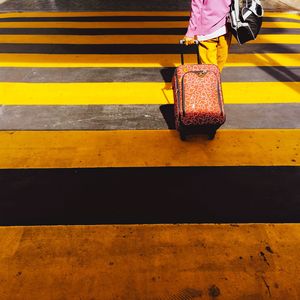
<point x="181" y="42"/>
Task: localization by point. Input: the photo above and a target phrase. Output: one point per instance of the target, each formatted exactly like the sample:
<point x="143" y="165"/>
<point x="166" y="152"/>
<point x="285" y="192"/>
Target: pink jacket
<point x="207" y="16"/>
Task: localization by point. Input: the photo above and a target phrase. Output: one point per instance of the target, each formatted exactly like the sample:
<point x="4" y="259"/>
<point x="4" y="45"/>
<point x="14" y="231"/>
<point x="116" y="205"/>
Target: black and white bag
<point x="246" y="19"/>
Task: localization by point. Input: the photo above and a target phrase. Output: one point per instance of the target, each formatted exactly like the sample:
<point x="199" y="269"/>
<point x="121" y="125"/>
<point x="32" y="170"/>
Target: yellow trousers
<point x="215" y="51"/>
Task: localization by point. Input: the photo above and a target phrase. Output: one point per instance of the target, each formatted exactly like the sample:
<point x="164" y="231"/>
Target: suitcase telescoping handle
<point x="181" y="42"/>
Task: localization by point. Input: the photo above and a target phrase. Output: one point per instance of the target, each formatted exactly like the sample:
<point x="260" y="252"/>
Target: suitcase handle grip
<point x="181" y="42"/>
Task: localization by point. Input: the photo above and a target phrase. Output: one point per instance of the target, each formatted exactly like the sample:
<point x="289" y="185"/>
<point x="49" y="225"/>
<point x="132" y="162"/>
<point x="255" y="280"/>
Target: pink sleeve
<point x="195" y="15"/>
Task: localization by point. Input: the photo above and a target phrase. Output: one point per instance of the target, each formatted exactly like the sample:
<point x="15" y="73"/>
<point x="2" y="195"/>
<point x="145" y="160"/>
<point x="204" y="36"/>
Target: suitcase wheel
<point x="182" y="134"/>
<point x="211" y="134"/>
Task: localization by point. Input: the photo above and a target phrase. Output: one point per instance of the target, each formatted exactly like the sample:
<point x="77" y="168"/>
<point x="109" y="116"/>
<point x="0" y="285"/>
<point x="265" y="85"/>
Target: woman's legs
<point x="208" y="51"/>
<point x="215" y="51"/>
<point x="223" y="49"/>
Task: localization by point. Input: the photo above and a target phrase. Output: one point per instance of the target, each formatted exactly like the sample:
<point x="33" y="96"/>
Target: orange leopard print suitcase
<point x="198" y="99"/>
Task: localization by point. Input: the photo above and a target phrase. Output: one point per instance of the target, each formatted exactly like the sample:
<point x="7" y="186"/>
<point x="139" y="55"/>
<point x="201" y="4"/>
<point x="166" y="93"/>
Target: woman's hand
<point x="188" y="40"/>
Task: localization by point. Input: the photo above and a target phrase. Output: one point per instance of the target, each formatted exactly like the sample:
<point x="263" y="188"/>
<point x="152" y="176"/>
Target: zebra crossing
<point x="71" y="104"/>
<point x="57" y="64"/>
<point x="87" y="137"/>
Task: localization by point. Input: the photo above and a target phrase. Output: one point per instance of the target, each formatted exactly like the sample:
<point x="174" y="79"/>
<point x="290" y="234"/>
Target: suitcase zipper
<point x="202" y="73"/>
<point x="178" y="94"/>
<point x="219" y="98"/>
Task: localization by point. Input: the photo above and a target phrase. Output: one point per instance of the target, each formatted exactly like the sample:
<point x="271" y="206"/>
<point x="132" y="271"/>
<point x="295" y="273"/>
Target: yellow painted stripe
<point x="143" y="60"/>
<point x="122" y="13"/>
<point x="282" y="15"/>
<point x="280" y="25"/>
<point x="131" y="39"/>
<point x="190" y="261"/>
<point x="138" y="148"/>
<point x="138" y="93"/>
<point x="275" y="39"/>
<point x="165" y="24"/>
<point x="263" y="59"/>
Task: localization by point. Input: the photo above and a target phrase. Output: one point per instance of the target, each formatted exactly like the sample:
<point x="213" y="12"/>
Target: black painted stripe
<point x="123" y="31"/>
<point x="95" y="31"/>
<point x="122" y="19"/>
<point x="137" y="48"/>
<point x="230" y="74"/>
<point x="98" y="19"/>
<point x="140" y="117"/>
<point x="150" y="195"/>
<point x="261" y="74"/>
